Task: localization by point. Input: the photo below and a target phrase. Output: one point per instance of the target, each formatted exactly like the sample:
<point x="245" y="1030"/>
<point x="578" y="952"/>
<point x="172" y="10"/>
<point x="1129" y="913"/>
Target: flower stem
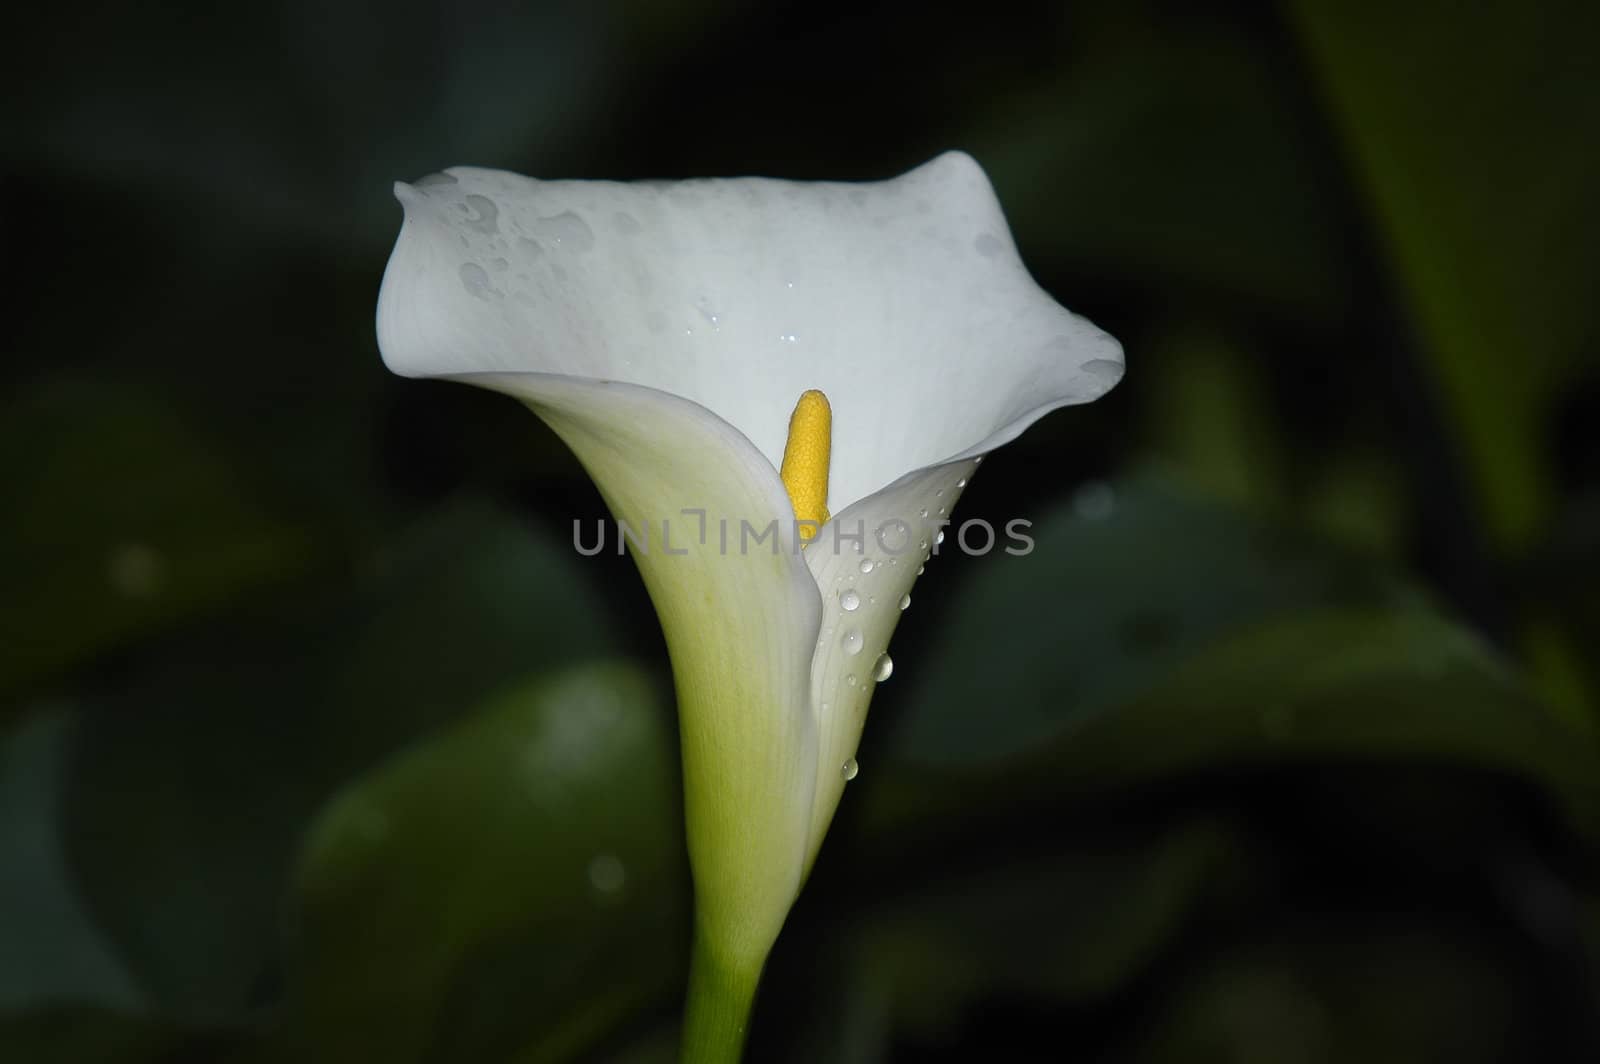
<point x="717" y="1015"/>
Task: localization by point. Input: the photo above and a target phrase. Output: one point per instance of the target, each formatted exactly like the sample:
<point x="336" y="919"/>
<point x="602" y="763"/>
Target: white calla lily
<point x="665" y="332"/>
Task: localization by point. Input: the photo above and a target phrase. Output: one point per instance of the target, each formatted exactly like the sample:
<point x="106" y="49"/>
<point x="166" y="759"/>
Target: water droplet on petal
<point x="849" y="600"/>
<point x="851" y="641"/>
<point x="848" y="770"/>
<point x="923" y="512"/>
<point x="905" y="601"/>
<point x="1105" y="369"/>
<point x="921" y="569"/>
<point x="883" y="668"/>
<point x="850" y="680"/>
<point x="475" y="279"/>
<point x="937" y="540"/>
<point x="961" y="483"/>
<point x="566" y="229"/>
<point x="485" y="216"/>
<point x="866" y="565"/>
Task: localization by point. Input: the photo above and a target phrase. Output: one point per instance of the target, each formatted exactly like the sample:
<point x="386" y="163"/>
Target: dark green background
<point x="320" y="743"/>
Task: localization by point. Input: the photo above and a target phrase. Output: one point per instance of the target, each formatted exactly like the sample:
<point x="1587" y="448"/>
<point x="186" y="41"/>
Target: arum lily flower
<point x="786" y="387"/>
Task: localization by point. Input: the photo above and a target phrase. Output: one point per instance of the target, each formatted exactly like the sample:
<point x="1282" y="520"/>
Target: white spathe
<point x="665" y="331"/>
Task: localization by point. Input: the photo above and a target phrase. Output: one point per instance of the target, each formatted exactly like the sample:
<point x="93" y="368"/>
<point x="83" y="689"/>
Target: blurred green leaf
<point x="508" y="891"/>
<point x="1212" y="419"/>
<point x="189" y="787"/>
<point x="1075" y="923"/>
<point x="122" y="520"/>
<point x="1330" y="684"/>
<point x="1130" y="579"/>
<point x="294" y="137"/>
<point x="1149" y="634"/>
<point x="53" y="952"/>
<point x="1357" y="990"/>
<point x="94" y="1036"/>
<point x="1470" y="128"/>
<point x="1556" y="576"/>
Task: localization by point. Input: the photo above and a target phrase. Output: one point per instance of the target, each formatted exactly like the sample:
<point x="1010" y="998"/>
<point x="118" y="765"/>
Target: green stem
<point x="717" y="1014"/>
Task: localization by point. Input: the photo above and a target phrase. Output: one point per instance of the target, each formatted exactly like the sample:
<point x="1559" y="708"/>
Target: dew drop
<point x="475" y="279"/>
<point x="1106" y="369"/>
<point x="905" y="601"/>
<point x="848" y="770"/>
<point x="866" y="565"/>
<point x="850" y="680"/>
<point x="883" y="668"/>
<point x="923" y="513"/>
<point x="485" y="217"/>
<point x="920" y="569"/>
<point x="565" y="229"/>
<point x="849" y="600"/>
<point x="939" y="539"/>
<point x="961" y="483"/>
<point x="851" y="641"/>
